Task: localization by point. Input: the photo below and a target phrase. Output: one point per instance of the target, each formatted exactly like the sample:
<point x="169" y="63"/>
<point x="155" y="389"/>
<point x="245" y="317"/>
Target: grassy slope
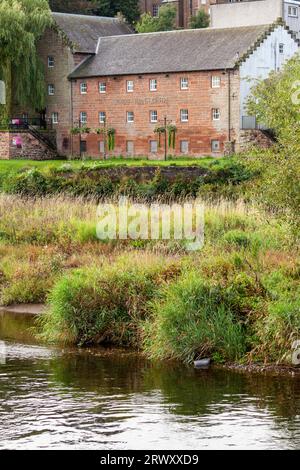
<point x="15" y="165"/>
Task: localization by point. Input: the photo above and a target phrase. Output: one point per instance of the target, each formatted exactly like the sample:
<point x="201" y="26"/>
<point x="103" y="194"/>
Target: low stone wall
<point x="21" y="145"/>
<point x="249" y="138"/>
<point x="4" y="145"/>
<point x="142" y="174"/>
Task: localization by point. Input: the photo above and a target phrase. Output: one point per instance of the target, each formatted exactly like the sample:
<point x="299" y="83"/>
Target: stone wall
<point x="4" y="145"/>
<point x="146" y="173"/>
<point x="250" y="138"/>
<point x="23" y="145"/>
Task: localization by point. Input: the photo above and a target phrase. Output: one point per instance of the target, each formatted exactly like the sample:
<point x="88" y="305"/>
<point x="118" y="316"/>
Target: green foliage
<point x="276" y="103"/>
<point x="22" y="22"/>
<point x="104" y="305"/>
<point x="192" y="320"/>
<point x="166" y="20"/>
<point x="200" y="20"/>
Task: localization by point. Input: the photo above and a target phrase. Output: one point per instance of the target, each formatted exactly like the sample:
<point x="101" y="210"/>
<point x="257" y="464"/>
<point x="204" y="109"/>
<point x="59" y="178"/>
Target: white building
<point x="232" y="13"/>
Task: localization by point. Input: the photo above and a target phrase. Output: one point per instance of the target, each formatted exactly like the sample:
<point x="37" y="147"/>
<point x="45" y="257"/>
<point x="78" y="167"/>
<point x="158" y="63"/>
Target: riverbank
<point x="236" y="299"/>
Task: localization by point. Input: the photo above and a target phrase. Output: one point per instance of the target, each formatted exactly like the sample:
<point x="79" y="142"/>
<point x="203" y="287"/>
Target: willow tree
<point x="22" y="22"/>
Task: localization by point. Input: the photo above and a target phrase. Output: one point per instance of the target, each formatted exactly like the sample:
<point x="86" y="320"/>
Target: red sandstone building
<point x="197" y="79"/>
<point x="185" y="8"/>
<point x="98" y="73"/>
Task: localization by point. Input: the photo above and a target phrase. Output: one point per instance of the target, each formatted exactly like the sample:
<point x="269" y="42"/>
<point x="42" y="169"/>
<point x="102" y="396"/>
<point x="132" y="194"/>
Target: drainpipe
<point x="72" y="117"/>
<point x="229" y="106"/>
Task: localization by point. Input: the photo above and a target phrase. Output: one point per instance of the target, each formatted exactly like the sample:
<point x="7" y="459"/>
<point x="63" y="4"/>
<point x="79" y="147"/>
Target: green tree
<point x="200" y="20"/>
<point x="129" y="8"/>
<point x="22" y="22"/>
<point x="166" y="21"/>
<point x="276" y="104"/>
<point x="72" y="6"/>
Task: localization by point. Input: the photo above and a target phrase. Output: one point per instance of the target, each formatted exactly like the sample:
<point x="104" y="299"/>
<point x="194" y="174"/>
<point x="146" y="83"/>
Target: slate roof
<point x="174" y="51"/>
<point x="83" y="31"/>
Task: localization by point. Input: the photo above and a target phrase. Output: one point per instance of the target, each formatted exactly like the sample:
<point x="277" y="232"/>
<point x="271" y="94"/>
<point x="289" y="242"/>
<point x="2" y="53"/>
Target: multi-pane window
<point x="54" y="118"/>
<point x="215" y="145"/>
<point x="102" y="117"/>
<point x="153" y="146"/>
<point x="184" y="83"/>
<point x="130" y="116"/>
<point x="215" y="81"/>
<point x="153" y="84"/>
<point x="50" y="61"/>
<point x="153" y="116"/>
<point x="83" y="117"/>
<point x="102" y="87"/>
<point x="184" y="115"/>
<point x="51" y="89"/>
<point x="281" y="48"/>
<point x="83" y="88"/>
<point x="293" y="11"/>
<point x="130" y="86"/>
<point x="184" y="146"/>
<point x="216" y="114"/>
<point x="155" y="10"/>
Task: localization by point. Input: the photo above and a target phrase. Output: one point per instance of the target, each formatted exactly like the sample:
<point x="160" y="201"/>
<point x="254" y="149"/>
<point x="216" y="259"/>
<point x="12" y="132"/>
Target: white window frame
<point x="153" y="113"/>
<point x="281" y="48"/>
<point x="293" y="11"/>
<point x="130" y="86"/>
<point x="216" y="81"/>
<point x="102" y="117"/>
<point x="153" y="84"/>
<point x="184" y="115"/>
<point x="102" y="87"/>
<point x="128" y="114"/>
<point x="216" y="114"/>
<point x="155" y="10"/>
<point x="82" y="119"/>
<point x="55" y="118"/>
<point x="184" y="83"/>
<point x="51" y="62"/>
<point x="51" y="89"/>
<point x="83" y="88"/>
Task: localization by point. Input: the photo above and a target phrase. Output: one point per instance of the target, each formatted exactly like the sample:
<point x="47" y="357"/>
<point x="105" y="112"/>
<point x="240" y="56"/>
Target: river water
<point x="53" y="398"/>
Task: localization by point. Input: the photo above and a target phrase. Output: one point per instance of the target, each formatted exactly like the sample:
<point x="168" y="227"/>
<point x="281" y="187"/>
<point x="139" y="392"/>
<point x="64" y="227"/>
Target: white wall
<point x="265" y="60"/>
<point x="230" y="15"/>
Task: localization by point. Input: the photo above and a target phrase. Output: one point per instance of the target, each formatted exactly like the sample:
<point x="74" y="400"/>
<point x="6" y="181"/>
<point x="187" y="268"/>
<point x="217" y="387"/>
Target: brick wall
<point x="14" y="145"/>
<point x="4" y="145"/>
<point x="168" y="100"/>
<point x="185" y="8"/>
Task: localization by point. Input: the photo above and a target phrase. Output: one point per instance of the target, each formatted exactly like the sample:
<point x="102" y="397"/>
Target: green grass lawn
<point x="207" y="162"/>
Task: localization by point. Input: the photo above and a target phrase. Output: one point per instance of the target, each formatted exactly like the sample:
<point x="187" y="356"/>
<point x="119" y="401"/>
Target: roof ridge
<point x="191" y="30"/>
<point x="111" y="18"/>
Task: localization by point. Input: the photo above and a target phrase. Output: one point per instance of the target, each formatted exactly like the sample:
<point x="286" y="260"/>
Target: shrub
<point x="192" y="319"/>
<point x="105" y="305"/>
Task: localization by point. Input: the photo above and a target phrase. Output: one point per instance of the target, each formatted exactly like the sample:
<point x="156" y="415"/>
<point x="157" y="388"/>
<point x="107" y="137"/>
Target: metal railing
<point x="21" y="122"/>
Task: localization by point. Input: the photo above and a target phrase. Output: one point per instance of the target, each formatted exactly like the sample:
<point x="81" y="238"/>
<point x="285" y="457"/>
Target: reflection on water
<point x="53" y="398"/>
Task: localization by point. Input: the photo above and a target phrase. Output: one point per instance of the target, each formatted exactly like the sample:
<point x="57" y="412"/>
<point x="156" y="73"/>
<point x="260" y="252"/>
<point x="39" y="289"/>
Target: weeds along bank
<point x="236" y="299"/>
<point x="225" y="178"/>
